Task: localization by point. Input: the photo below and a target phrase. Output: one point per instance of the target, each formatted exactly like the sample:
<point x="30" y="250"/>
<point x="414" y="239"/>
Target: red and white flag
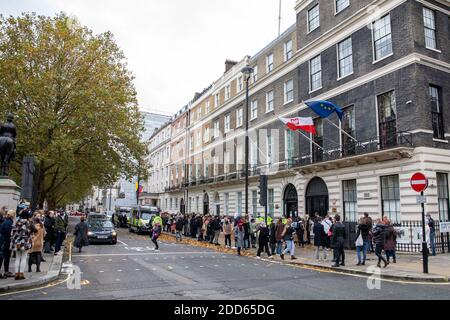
<point x="304" y="124"/>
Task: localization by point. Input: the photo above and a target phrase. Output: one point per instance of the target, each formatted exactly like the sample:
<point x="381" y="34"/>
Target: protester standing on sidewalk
<point x="20" y="243"/>
<point x="308" y="229"/>
<point x="253" y="228"/>
<point x="81" y="235"/>
<point x="263" y="240"/>
<point x="272" y="237"/>
<point x="379" y="237"/>
<point x="337" y="241"/>
<point x="227" y="230"/>
<point x="320" y="239"/>
<point x="217" y="229"/>
<point x="60" y="228"/>
<point x="179" y="225"/>
<point x="37" y="245"/>
<point x="327" y="224"/>
<point x="432" y="227"/>
<point x="390" y="245"/>
<point x="193" y="226"/>
<point x="288" y="237"/>
<point x="364" y="228"/>
<point x="239" y="234"/>
<point x="5" y="243"/>
<point x="279" y="231"/>
<point x="300" y="230"/>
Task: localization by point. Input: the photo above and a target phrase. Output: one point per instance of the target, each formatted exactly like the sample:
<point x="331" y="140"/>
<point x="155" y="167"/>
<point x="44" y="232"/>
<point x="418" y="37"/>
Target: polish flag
<point x="304" y="124"/>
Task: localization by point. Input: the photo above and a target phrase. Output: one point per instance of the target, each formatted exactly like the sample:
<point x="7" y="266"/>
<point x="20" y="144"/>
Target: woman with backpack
<point x="320" y="239"/>
<point x="288" y="237"/>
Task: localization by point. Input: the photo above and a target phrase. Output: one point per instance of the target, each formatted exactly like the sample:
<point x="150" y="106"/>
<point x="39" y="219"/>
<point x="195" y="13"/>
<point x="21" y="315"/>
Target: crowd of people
<point x="26" y="235"/>
<point x="282" y="236"/>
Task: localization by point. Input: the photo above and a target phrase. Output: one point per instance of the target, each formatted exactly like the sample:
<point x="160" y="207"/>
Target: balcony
<point x="395" y="146"/>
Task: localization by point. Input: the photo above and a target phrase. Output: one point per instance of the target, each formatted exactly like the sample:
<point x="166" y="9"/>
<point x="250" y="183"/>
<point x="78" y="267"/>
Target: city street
<point x="132" y="270"/>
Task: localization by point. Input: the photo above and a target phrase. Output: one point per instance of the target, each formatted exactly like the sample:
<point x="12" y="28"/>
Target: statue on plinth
<point x="8" y="134"/>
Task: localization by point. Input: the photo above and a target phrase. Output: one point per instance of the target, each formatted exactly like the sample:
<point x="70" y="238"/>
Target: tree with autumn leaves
<point x="74" y="103"/>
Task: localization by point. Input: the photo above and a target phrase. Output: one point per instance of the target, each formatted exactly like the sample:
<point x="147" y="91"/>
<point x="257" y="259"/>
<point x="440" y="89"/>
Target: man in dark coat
<point x="49" y="225"/>
<point x="193" y="226"/>
<point x="338" y="240"/>
<point x="5" y="241"/>
<point x="320" y="239"/>
<point x="81" y="235"/>
<point x="263" y="240"/>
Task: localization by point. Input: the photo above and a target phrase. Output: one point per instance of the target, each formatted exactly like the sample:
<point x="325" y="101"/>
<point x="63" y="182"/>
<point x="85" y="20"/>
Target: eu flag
<point x="325" y="108"/>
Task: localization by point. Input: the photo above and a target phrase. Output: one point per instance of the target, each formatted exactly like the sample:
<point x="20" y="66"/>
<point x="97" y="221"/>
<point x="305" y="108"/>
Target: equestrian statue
<point x="8" y="135"/>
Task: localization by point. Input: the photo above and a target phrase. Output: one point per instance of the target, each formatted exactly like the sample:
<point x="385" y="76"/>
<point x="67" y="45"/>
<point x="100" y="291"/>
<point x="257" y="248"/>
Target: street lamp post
<point x="247" y="71"/>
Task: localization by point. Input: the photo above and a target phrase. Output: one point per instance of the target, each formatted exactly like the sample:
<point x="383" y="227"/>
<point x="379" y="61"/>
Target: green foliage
<point x="74" y="101"/>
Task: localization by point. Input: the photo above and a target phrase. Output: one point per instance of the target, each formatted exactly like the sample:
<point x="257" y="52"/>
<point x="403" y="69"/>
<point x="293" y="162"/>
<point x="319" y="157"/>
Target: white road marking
<point x="186" y="267"/>
<point x="101" y="272"/>
<point x="110" y="260"/>
<point x="139" y="254"/>
<point x="216" y="266"/>
<point x="122" y="242"/>
<point x="201" y="266"/>
<point x="117" y="280"/>
<point x="170" y="268"/>
<point x="119" y="270"/>
<point x="138" y="269"/>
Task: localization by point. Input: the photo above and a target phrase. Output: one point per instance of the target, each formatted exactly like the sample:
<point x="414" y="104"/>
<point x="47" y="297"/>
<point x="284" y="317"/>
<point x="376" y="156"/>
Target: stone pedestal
<point x="9" y="193"/>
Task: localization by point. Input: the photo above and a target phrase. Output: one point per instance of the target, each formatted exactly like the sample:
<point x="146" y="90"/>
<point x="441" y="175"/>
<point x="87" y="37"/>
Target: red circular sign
<point x="419" y="182"/>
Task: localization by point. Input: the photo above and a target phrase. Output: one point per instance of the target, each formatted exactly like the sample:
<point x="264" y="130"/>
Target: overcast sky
<point x="174" y="47"/>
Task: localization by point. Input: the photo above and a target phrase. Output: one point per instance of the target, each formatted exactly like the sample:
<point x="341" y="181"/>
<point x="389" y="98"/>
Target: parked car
<point x="101" y="231"/>
<point x="96" y="216"/>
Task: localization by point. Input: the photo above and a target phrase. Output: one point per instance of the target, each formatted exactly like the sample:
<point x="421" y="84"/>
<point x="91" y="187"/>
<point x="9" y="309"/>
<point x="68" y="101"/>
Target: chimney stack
<point x="229" y="64"/>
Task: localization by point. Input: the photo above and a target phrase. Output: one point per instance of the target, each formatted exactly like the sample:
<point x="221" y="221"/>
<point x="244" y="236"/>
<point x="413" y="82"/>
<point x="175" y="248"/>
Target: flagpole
<point x="340" y="129"/>
<point x="313" y="142"/>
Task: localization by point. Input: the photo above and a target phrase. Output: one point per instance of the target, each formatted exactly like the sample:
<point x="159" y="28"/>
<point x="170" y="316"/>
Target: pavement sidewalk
<point x="408" y="266"/>
<point x="49" y="272"/>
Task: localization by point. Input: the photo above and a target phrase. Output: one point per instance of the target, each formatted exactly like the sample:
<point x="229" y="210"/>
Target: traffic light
<point x="263" y="190"/>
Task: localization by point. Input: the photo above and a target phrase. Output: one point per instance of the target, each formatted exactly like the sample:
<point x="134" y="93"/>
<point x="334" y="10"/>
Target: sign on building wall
<point x="408" y="235"/>
<point x="445" y="227"/>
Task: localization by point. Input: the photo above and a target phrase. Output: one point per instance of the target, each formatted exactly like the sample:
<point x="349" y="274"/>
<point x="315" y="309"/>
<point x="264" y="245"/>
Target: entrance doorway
<point x="290" y="200"/>
<point x="205" y="204"/>
<point x="317" y="197"/>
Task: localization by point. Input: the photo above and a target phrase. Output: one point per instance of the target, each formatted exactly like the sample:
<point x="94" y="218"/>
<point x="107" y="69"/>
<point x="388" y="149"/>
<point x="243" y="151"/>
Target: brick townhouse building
<point x="386" y="63"/>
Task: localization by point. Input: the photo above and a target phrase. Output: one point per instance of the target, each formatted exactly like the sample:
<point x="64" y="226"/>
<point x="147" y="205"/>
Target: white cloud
<point x="174" y="47"/>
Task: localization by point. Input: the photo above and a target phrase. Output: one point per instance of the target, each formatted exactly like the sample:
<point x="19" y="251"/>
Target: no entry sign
<point x="419" y="182"/>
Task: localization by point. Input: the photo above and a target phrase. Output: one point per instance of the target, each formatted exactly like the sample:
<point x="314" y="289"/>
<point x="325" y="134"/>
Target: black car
<point x="101" y="231"/>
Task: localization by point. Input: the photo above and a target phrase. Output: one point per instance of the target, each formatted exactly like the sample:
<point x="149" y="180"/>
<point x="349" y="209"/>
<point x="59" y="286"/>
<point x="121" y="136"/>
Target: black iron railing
<point x="409" y="237"/>
<point x="400" y="139"/>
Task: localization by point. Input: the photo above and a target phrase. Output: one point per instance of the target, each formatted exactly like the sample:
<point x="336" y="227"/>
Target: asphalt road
<point x="132" y="270"/>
